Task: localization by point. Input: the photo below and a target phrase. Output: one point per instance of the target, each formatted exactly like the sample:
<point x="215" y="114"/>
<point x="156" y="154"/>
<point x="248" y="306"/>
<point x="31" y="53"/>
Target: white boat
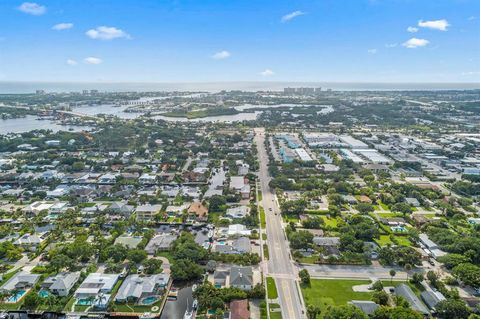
<point x="195" y="304"/>
<point x="147" y="315"/>
<point x="210" y="233"/>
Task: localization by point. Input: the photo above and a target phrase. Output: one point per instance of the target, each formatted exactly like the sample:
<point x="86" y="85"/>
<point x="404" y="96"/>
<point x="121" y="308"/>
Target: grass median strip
<point x="272" y="292"/>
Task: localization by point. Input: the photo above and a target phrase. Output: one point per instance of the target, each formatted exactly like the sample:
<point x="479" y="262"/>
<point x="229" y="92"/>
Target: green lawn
<point x="329" y="221"/>
<point x="165" y="254"/>
<point x="271" y="288"/>
<point x="135" y="308"/>
<point x="263" y="223"/>
<point x="389" y="215"/>
<point x="265" y="251"/>
<point x="309" y="260"/>
<point x="384" y="240"/>
<point x="10" y="306"/>
<point x="384" y="206"/>
<point x="325" y="292"/>
<point x="403" y="240"/>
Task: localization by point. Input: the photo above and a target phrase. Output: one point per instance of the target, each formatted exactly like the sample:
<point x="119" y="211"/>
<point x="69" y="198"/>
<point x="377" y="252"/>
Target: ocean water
<point x="30" y="87"/>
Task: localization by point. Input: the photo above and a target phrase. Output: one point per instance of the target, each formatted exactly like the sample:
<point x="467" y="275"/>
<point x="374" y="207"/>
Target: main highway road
<point x="280" y="265"/>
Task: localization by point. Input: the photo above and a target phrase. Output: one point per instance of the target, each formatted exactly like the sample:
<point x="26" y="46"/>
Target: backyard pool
<point x="16" y="297"/>
<point x="43" y="293"/>
<point x="84" y="302"/>
<point x="398" y="229"/>
<point x="149" y="300"/>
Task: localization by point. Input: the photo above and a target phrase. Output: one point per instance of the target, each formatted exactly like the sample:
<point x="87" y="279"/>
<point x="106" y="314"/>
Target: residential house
<point x="432" y="248"/>
<point x="20" y="281"/>
<point x="146" y="213"/>
<point x="29" y="241"/>
<point x="136" y="287"/>
<point x="160" y="242"/>
<point x="431" y="298"/>
<point x="239" y="309"/>
<point x="147" y="179"/>
<point x="329" y="245"/>
<point x="130" y="242"/>
<point x="237" y="212"/>
<point x="238" y="230"/>
<point x="241" y="185"/>
<point x="414" y="302"/>
<point x="121" y="208"/>
<point x="241" y="277"/>
<point x="367" y="306"/>
<point x="412" y="201"/>
<point x="220" y="278"/>
<point x="61" y="283"/>
<point x="97" y="286"/>
<point x="199" y="210"/>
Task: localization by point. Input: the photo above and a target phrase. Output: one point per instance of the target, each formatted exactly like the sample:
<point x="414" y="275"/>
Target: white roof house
<point x="96" y="283"/>
<point x="238" y="230"/>
<point x="237" y="182"/>
<point x="134" y="287"/>
<point x="237" y="212"/>
<point x="37" y="207"/>
<point x="20" y="280"/>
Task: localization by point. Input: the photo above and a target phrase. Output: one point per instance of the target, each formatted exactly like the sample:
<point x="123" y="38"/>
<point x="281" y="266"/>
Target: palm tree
<point x="102" y="299"/>
<point x="14" y="293"/>
<point x="91" y="300"/>
<point x="392" y="274"/>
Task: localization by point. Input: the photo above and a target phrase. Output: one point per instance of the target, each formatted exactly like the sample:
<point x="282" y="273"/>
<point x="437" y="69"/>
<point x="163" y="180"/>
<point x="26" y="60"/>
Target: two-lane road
<point x="280" y="265"/>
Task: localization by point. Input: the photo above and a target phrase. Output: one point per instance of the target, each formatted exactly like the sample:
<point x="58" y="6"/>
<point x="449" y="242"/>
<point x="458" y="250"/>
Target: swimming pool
<point x="399" y="229"/>
<point x="149" y="300"/>
<point x="84" y="302"/>
<point x="43" y="293"/>
<point x="16" y="297"/>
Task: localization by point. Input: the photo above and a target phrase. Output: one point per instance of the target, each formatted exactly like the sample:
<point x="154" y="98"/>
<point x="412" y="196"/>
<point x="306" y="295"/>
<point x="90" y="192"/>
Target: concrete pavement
<point x="280" y="265"/>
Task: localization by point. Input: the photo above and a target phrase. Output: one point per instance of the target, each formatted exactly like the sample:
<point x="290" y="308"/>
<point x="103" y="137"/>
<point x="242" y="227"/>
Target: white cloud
<point x="471" y="18"/>
<point x="267" y="72"/>
<point x="415" y="43"/>
<point x="221" y="55"/>
<point x="62" y="26"/>
<point x="32" y="8"/>
<point x="292" y="15"/>
<point x="469" y="73"/>
<point x="107" y="33"/>
<point x="441" y="25"/>
<point x="372" y="51"/>
<point x="391" y="45"/>
<point x="71" y="62"/>
<point x="92" y="60"/>
<point x="412" y="29"/>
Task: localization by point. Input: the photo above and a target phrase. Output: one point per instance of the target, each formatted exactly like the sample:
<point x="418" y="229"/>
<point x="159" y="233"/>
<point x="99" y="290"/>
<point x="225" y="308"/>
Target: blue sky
<point x="240" y="40"/>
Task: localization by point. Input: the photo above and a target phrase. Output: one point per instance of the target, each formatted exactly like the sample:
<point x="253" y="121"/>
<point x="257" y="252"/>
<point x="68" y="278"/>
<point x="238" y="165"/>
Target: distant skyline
<point x="214" y="41"/>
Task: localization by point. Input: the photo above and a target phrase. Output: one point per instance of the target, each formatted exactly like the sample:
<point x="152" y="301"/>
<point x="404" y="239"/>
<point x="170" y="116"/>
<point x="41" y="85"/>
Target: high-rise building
<point x="40" y="92"/>
<point x="289" y="90"/>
